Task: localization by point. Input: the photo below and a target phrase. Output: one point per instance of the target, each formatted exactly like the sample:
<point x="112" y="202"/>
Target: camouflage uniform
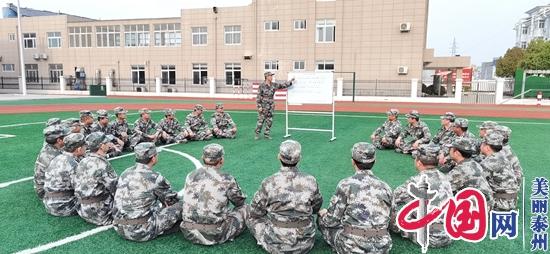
<point x="53" y="121"/>
<point x="389" y="131"/>
<point x="449" y="164"/>
<point x="95" y="182"/>
<point x="85" y="128"/>
<point x="73" y="124"/>
<point x="222" y="124"/>
<point x="445" y="135"/>
<point x="500" y="176"/>
<point x="265" y="101"/>
<point x="508" y="153"/>
<point x="143" y="128"/>
<point x="59" y="198"/>
<point x="439" y="183"/>
<point x="281" y="213"/>
<point x="170" y="128"/>
<point x="46" y="155"/>
<point x="468" y="173"/>
<point x="207" y="217"/>
<point x="197" y="125"/>
<point x="358" y="216"/>
<point x="420" y="131"/>
<point x="119" y="127"/>
<point x="145" y="206"/>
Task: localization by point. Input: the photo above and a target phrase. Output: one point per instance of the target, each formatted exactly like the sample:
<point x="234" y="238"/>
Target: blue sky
<point x="483" y="28"/>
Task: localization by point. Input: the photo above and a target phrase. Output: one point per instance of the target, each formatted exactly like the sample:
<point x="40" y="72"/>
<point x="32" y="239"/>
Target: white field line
<point x="94" y="231"/>
<point x="64" y="241"/>
<point x="6" y="136"/>
<point x="6" y="184"/>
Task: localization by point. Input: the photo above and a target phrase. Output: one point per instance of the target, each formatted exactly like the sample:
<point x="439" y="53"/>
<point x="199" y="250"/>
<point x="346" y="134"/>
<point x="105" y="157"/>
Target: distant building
<point x="535" y="26"/>
<point x="487" y="70"/>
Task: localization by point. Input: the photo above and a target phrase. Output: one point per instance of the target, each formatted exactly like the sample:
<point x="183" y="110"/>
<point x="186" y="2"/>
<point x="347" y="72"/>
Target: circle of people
<point x="73" y="176"/>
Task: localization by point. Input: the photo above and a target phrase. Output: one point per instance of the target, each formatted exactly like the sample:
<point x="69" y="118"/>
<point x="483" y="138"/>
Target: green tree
<point x="507" y="65"/>
<point x="537" y="56"/>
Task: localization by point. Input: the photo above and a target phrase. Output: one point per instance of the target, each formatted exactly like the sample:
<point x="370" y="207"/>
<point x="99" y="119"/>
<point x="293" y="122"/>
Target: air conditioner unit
<point x="402" y="70"/>
<point x="405" y="27"/>
<point x="247" y="57"/>
<point x="36" y="56"/>
<point x="44" y="56"/>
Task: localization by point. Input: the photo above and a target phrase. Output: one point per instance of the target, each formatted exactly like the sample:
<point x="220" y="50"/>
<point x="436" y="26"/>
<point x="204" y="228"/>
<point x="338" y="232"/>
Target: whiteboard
<point x="311" y="88"/>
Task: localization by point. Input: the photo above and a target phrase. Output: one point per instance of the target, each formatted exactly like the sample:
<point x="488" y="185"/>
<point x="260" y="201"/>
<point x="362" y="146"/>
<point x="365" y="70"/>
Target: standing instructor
<point x="266" y="104"/>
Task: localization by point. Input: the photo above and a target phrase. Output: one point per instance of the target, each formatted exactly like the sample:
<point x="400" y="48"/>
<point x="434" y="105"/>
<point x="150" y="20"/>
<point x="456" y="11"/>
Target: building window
<point x="31" y="71"/>
<point x="325" y="65"/>
<point x="168" y="74"/>
<point x="54" y="39"/>
<point x="299" y="65"/>
<point x="271" y="25"/>
<point x="232" y="35"/>
<point x="29" y="40"/>
<point x="80" y="37"/>
<point x="107" y="36"/>
<point x="199" y="36"/>
<point x="56" y="71"/>
<point x="233" y="74"/>
<point x="136" y="36"/>
<point x="271" y="65"/>
<point x="138" y="74"/>
<point x="11" y="37"/>
<point x="200" y="74"/>
<point x="300" y="24"/>
<point x="167" y="35"/>
<point x="523" y="45"/>
<point x="326" y="31"/>
<point x="524" y="30"/>
<point x="8" y="67"/>
<point x="541" y="23"/>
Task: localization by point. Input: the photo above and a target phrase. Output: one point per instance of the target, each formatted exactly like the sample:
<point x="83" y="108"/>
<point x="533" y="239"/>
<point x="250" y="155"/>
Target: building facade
<point x="534" y="26"/>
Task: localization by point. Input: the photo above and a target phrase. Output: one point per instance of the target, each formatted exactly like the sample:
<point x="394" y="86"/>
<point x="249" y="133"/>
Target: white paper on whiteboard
<point x="311" y="88"/>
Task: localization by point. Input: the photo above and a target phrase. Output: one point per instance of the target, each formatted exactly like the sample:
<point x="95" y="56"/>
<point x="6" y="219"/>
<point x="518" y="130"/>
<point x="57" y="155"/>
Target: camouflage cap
<point x="70" y="122"/>
<point x="55" y="132"/>
<point x="198" y="107"/>
<point x="84" y="113"/>
<point x="145" y="150"/>
<point x="169" y="112"/>
<point x="427" y="153"/>
<point x="120" y="110"/>
<point x="102" y="113"/>
<point x="413" y="113"/>
<point x="73" y="141"/>
<point x="493" y="138"/>
<point x="392" y="112"/>
<point x="487" y="125"/>
<point x="219" y="105"/>
<point x="464" y="144"/>
<point x="290" y="152"/>
<point x="268" y="73"/>
<point x="144" y="111"/>
<point x="363" y="152"/>
<point x="53" y="121"/>
<point x="449" y="116"/>
<point x="461" y="122"/>
<point x="212" y="153"/>
<point x="505" y="131"/>
<point x="96" y="139"/>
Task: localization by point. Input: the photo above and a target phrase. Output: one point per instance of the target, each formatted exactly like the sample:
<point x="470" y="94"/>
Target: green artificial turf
<point x="26" y="225"/>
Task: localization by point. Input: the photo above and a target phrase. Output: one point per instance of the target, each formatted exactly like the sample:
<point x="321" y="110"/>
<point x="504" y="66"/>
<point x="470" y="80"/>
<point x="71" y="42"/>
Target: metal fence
<point x="393" y="88"/>
<point x="480" y="92"/>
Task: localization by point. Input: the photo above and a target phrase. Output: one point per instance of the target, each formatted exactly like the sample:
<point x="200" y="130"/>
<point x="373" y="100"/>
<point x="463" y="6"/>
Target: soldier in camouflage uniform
<point x="426" y="163"/>
<point x="499" y="173"/>
<point x="460" y="130"/>
<point x="222" y="124"/>
<point x="468" y="173"/>
<point x="266" y="104"/>
<point x="73" y="124"/>
<point x="415" y="134"/>
<point x="86" y="121"/>
<point x="281" y="213"/>
<point x="95" y="181"/>
<point x="102" y="125"/>
<point x="145" y="205"/>
<point x="169" y="127"/>
<point x="53" y="136"/>
<point x="145" y="129"/>
<point x="508" y="153"/>
<point x="59" y="198"/>
<point x="119" y="127"/>
<point x="207" y="216"/>
<point x="196" y="128"/>
<point x="53" y="121"/>
<point x="358" y="216"/>
<point x="445" y="133"/>
<point x="485" y="126"/>
<point x="385" y="135"/>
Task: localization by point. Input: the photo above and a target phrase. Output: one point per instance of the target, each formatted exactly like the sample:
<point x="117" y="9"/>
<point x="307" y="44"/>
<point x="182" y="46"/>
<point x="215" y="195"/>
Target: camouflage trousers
<point x="226" y="133"/>
<point x="60" y="206"/>
<point x="160" y="222"/>
<point x="389" y="144"/>
<point x="139" y="138"/>
<point x="201" y="134"/>
<point x="405" y="147"/>
<point x="281" y="240"/>
<point x="232" y="226"/>
<point x="98" y="213"/>
<point x="266" y="116"/>
<point x="502" y="204"/>
<point x="167" y="138"/>
<point x="39" y="189"/>
<point x="344" y="243"/>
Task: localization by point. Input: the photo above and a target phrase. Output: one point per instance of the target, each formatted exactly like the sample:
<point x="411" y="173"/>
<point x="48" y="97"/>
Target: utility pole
<point x="23" y="82"/>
